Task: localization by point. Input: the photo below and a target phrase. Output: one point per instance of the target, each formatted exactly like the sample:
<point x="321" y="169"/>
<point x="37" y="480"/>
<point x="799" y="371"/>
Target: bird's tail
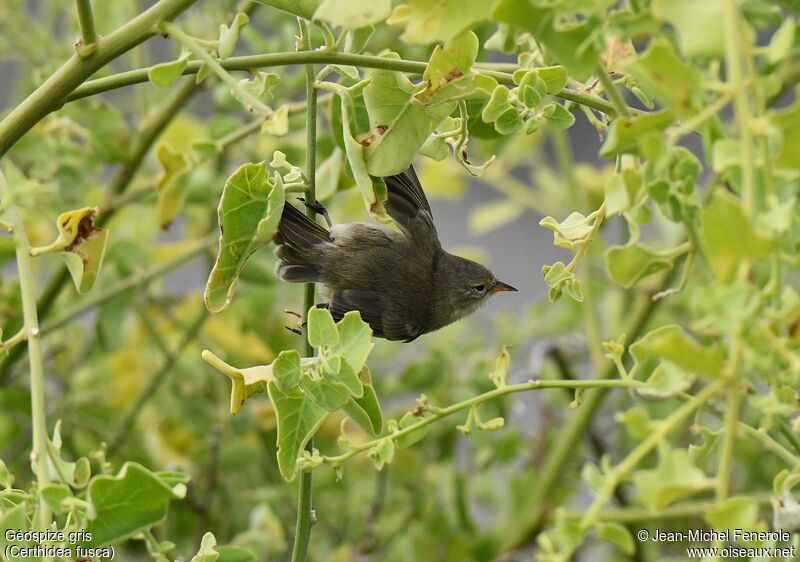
<point x="300" y="244"/>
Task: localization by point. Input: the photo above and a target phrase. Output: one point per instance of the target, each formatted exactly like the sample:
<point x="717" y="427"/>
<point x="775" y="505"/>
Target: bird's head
<point x="470" y="285"/>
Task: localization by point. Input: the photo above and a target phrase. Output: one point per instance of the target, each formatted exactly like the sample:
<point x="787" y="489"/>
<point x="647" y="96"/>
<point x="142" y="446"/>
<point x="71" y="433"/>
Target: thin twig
<point x="155" y="383"/>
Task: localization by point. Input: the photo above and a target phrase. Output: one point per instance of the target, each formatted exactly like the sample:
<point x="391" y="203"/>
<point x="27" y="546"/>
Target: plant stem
<point x="127" y="172"/>
<point x="250" y="101"/>
<point x="248" y="63"/>
<point x="302" y="532"/>
<point x="546" y="480"/>
<point x="439" y="413"/>
<point x="613" y="93"/>
<point x="644" y="448"/>
<point x="769" y="443"/>
<point x="155" y="383"/>
<point x="86" y="19"/>
<point x="789" y="434"/>
<point x="733" y="63"/>
<point x="27" y="287"/>
<point x="149" y="132"/>
<point x="52" y="94"/>
<point x="641" y="515"/>
<point x="731" y="378"/>
<point x="140" y="279"/>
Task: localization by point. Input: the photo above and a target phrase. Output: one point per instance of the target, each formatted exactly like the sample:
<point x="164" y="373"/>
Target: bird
<point x="402" y="282"/>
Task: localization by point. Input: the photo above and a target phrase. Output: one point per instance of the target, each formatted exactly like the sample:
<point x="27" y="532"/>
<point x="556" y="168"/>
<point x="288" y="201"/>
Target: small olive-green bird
<point x="403" y="283"/>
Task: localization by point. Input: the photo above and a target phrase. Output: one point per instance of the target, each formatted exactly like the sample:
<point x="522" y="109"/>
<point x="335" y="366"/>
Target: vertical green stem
<point x="734" y="39"/>
<point x="27" y="286"/>
<point x="304" y="510"/>
<point x="593" y="333"/>
<point x="614" y="95"/>
<point x="86" y="19"/>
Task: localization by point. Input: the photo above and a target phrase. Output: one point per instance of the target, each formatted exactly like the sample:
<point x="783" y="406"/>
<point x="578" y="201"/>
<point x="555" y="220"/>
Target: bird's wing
<point x="408" y="206"/>
<point x="375" y="312"/>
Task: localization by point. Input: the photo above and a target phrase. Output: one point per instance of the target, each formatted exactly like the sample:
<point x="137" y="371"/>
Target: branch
<point x="549" y="477"/>
<point x="250" y="62"/>
<point x="156" y="382"/>
<point x="88" y="32"/>
<point x="439" y="413"/>
<point x="27" y="287"/>
<point x="100" y="296"/>
<point x="52" y="94"/>
<point x="302" y="532"/>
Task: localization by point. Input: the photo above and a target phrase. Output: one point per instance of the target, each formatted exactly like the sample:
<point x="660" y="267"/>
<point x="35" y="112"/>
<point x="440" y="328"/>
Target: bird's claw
<point x="318" y="208"/>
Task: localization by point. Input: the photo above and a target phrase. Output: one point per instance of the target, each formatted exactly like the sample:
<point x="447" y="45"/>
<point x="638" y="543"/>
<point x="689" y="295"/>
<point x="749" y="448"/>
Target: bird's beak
<point x="500" y="286"/>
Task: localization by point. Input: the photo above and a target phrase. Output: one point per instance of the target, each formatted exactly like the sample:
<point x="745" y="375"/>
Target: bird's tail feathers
<point x="300" y="242"/>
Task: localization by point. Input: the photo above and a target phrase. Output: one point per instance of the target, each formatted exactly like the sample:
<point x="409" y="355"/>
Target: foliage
<point x="662" y="389"/>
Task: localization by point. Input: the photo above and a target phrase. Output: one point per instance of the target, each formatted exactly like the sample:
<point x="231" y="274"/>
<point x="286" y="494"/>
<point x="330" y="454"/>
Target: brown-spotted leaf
<point x="81" y="244"/>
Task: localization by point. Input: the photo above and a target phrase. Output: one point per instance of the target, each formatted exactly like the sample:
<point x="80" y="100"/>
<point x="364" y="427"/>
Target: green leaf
<point x="75" y="474"/>
<point x="409" y="439"/>
<point x="299" y="417"/>
<point x="348" y="377"/>
<point x="228" y="36"/>
<point x="499" y="376"/>
<point x="616" y="534"/>
<point x="165" y="74"/>
<point x="259" y="86"/>
<point x="497" y="105"/>
<point x="366" y="411"/>
<point x="382" y="453"/>
<point x="249" y="212"/>
<point x="622" y="190"/>
<point x="278" y="122"/>
<point x="302" y="8"/>
<point x="787" y="121"/>
<point x="637" y="422"/>
<point x="558" y="117"/>
<point x="666" y="381"/>
<point x="6" y="478"/>
<point x="447" y="74"/>
<point x="325" y="392"/>
<point x="493" y="215"/>
<point x="355" y="340"/>
<point x="509" y="122"/>
<point x="208" y="549"/>
<point x="373" y="191"/>
<point x="628" y="264"/>
<point x="554" y="78"/>
<point x="674" y="477"/>
<point x="321" y="328"/>
<point x="781" y="43"/>
<point x="229" y="553"/>
<point x="171" y="184"/>
<point x="54" y="494"/>
<point x="738" y="512"/>
<point x="126" y="504"/>
<point x="400" y="123"/>
<point x="570" y="232"/>
<point x="625" y="133"/>
<point x="665" y="77"/>
<point x="329" y="172"/>
<point x="672" y="344"/>
<point x="729" y="236"/>
<point x="14" y="518"/>
<point x="353" y="14"/>
<point x="576" y="44"/>
<point x="244" y="382"/>
<point x="286" y="369"/>
<point x="441" y="20"/>
<point x="699" y="25"/>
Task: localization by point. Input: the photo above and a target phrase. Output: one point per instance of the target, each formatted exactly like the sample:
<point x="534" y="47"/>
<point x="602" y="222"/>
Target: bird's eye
<point x="478" y="288"/>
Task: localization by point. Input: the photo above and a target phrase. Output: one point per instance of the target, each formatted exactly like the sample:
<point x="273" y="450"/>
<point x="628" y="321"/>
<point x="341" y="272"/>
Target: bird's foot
<point x="294" y="330"/>
<point x="319" y="209"/>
